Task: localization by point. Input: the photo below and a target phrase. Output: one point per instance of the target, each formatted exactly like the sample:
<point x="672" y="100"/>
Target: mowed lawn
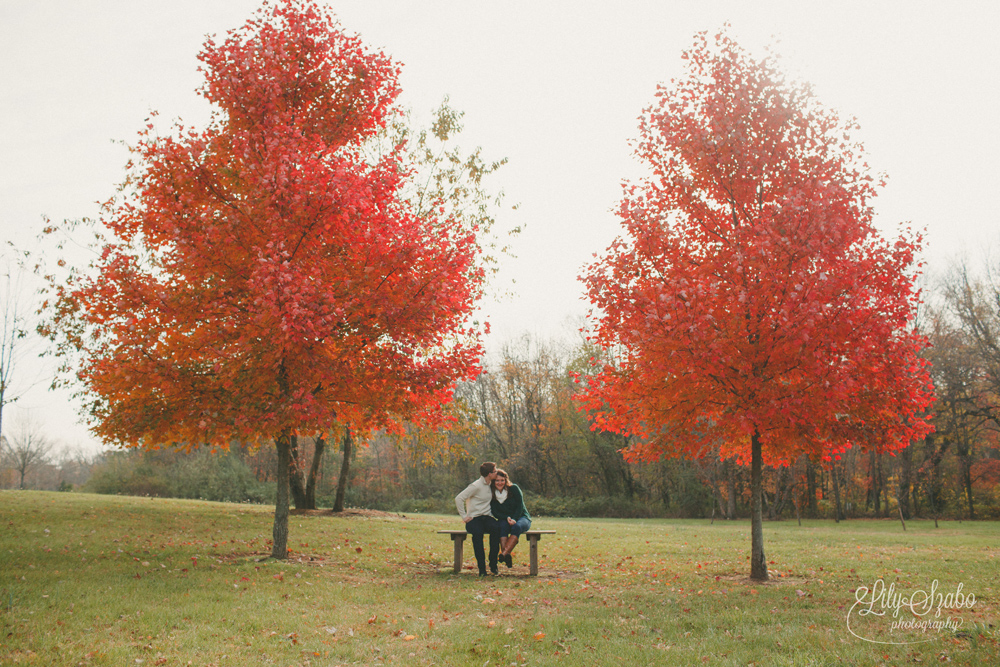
<point x="103" y="580"/>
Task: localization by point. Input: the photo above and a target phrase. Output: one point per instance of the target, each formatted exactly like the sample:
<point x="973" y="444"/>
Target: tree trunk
<point x="662" y="483"/>
<point x="279" y="548"/>
<point x="885" y="498"/>
<point x="811" y="508"/>
<point x="552" y="465"/>
<point x="967" y="482"/>
<point x="731" y="488"/>
<point x="768" y="503"/>
<point x="935" y="486"/>
<point x="628" y="479"/>
<point x="875" y="482"/>
<point x="767" y="500"/>
<point x="783" y="491"/>
<point x="314" y="473"/>
<point x="965" y="470"/>
<point x="295" y="481"/>
<point x="836" y="494"/>
<point x="716" y="496"/>
<point x="905" y="458"/>
<point x="758" y="563"/>
<point x="722" y="508"/>
<point x="968" y="493"/>
<point x="345" y="468"/>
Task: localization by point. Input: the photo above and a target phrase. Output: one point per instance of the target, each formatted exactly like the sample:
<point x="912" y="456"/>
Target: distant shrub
<point x="426" y="506"/>
<point x="614" y="507"/>
<point x="114" y="475"/>
<point x="220" y="477"/>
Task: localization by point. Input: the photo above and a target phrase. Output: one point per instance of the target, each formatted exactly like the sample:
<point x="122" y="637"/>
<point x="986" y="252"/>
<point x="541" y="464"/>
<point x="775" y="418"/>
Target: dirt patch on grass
<point x="261" y="556"/>
<point x="516" y="572"/>
<point x="351" y="513"/>
<point x="773" y="580"/>
<point x="425" y="568"/>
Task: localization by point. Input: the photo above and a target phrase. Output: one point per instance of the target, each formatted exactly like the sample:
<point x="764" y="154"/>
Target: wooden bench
<point x="458" y="539"/>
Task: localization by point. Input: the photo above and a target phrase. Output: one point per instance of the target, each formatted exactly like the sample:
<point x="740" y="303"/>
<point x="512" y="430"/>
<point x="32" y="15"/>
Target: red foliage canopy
<point x="266" y="275"/>
<point x="752" y="294"/>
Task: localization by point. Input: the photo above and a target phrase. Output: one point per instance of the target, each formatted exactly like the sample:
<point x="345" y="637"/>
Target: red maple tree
<point x="753" y="306"/>
<point x="265" y="277"/>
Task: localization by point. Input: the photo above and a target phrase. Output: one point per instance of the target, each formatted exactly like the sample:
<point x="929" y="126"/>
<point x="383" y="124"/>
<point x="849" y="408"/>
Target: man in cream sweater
<point x="474" y="507"/>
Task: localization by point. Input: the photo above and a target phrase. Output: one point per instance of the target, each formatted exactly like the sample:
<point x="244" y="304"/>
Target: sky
<point x="555" y="87"/>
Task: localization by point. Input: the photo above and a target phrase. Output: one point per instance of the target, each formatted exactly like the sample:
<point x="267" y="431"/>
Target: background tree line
<point x="521" y="413"/>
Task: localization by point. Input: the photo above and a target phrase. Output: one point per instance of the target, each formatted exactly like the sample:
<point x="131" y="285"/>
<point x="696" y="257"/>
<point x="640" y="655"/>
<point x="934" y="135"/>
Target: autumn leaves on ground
<point x="98" y="580"/>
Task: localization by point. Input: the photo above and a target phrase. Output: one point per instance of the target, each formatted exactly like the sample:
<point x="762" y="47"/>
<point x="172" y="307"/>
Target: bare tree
<point x="27" y="446"/>
<point x="14" y="334"/>
<point x="75" y="465"/>
<point x="975" y="303"/>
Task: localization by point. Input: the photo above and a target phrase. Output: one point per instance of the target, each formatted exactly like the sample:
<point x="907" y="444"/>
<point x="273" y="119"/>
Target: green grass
<point x="104" y="580"/>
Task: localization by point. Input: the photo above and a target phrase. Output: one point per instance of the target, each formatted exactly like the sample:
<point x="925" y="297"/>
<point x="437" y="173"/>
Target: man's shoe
<point x="507" y="559"/>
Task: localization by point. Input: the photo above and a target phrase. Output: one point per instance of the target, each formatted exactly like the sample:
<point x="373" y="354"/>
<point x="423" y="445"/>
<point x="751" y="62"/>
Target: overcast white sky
<point x="556" y="87"/>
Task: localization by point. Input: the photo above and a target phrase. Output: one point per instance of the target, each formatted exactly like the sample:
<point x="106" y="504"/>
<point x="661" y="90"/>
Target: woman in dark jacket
<point x="509" y="510"/>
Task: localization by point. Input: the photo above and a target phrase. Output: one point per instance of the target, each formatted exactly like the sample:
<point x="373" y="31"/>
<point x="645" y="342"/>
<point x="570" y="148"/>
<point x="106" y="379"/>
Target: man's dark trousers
<point x="477" y="527"/>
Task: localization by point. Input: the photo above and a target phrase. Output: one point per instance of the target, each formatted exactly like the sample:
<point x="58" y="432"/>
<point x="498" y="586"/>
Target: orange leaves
<point x="266" y="275"/>
<point x="289" y="54"/>
<point x="751" y="293"/>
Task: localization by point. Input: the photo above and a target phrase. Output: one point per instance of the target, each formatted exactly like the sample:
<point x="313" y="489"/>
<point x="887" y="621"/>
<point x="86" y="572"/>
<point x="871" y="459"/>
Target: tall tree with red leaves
<point x="266" y="277"/>
<point x="752" y="305"/>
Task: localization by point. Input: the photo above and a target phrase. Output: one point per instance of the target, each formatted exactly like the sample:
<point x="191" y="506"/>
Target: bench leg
<point x="534" y="553"/>
<point x="459" y="541"/>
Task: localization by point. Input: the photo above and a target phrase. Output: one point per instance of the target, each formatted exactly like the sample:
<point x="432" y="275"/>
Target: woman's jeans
<point x="520" y="526"/>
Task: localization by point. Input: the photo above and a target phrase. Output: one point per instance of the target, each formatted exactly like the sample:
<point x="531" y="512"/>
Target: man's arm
<point x="460" y="502"/>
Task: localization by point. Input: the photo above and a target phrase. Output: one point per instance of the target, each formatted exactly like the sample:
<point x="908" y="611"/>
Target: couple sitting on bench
<point x="493" y="505"/>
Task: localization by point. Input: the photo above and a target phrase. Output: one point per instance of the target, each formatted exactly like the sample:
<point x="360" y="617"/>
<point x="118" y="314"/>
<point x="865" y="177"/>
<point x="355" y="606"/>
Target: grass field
<point x="104" y="580"/>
